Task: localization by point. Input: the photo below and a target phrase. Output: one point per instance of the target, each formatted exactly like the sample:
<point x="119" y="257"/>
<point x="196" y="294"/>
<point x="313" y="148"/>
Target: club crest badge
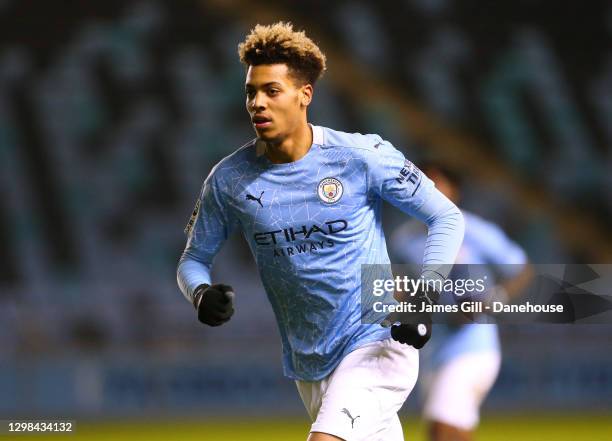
<point x="330" y="190"/>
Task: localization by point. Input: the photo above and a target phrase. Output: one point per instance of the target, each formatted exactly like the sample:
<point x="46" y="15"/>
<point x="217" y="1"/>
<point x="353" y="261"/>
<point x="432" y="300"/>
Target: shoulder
<point x="237" y="162"/>
<point x="357" y="144"/>
<point x="222" y="178"/>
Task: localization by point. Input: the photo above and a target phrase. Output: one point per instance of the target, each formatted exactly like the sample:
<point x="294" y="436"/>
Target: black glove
<point x="215" y="304"/>
<point x="413" y="334"/>
<point x="411" y="328"/>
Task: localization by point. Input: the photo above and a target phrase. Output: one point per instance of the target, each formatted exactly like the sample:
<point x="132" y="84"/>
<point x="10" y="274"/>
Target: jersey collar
<point x="318" y="138"/>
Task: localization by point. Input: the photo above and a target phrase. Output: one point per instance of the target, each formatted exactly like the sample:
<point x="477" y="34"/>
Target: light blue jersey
<point x="484" y="243"/>
<point x="310" y="224"/>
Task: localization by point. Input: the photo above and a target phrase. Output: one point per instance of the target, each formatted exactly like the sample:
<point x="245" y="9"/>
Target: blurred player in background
<point x="308" y="201"/>
<point x="462" y="361"/>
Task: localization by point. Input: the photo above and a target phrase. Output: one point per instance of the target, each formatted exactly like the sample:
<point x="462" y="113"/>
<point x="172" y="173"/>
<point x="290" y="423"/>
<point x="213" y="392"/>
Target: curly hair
<point x="279" y="43"/>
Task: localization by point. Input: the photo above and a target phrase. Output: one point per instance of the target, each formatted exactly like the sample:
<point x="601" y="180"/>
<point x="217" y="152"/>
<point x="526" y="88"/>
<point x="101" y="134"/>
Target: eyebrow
<point x="271" y="83"/>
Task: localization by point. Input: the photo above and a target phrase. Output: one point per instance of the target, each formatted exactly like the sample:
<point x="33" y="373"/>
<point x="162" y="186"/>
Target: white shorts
<point x="359" y="400"/>
<point x="455" y="391"/>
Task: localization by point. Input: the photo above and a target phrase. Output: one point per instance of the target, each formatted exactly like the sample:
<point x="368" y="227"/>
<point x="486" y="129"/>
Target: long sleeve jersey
<point x="310" y="225"/>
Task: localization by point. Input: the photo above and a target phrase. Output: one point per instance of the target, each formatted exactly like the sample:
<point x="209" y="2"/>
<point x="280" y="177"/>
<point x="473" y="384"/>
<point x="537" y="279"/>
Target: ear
<point x="306" y="94"/>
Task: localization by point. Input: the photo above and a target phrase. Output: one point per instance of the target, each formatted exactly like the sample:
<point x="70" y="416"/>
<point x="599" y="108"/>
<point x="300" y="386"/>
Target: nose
<point x="258" y="101"/>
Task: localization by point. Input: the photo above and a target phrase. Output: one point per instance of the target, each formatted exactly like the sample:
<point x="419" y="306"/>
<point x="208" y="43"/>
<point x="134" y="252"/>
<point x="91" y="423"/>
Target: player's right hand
<point x="215" y="303"/>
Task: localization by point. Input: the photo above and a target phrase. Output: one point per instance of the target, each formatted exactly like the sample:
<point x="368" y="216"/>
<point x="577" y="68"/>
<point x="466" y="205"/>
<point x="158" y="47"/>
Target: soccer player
<point x="308" y="201"/>
<point x="462" y="362"/>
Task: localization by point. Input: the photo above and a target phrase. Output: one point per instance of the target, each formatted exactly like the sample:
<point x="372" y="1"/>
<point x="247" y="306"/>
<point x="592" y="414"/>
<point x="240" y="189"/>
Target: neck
<point x="292" y="148"/>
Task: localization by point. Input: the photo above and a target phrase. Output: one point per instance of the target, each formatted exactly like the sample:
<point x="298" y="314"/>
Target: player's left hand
<point x="409" y="328"/>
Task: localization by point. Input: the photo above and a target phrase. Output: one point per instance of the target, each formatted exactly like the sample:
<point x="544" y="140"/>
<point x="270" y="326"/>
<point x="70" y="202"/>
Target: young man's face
<point x="276" y="102"/>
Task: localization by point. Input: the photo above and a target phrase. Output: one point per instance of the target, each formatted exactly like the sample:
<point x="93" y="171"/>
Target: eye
<point x="273" y="92"/>
<point x="250" y="93"/>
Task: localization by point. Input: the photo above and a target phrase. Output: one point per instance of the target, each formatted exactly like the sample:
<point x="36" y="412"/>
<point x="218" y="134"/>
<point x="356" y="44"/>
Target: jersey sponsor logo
<point x="410" y="173"/>
<point x="250" y="197"/>
<point x="292" y="234"/>
<point x="330" y="190"/>
<point x="194" y="216"/>
<point x="311" y="246"/>
<point x="283" y="240"/>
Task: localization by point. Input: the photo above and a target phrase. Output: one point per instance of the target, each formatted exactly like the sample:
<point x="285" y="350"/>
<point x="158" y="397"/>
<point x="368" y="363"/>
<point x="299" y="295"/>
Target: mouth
<point x="261" y="122"/>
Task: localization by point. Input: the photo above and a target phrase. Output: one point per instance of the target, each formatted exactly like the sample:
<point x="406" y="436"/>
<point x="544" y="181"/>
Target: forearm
<point x="190" y="274"/>
<point x="446" y="227"/>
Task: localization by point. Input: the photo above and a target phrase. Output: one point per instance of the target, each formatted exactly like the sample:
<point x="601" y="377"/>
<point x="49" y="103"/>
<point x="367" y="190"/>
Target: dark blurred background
<point x="112" y="113"/>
